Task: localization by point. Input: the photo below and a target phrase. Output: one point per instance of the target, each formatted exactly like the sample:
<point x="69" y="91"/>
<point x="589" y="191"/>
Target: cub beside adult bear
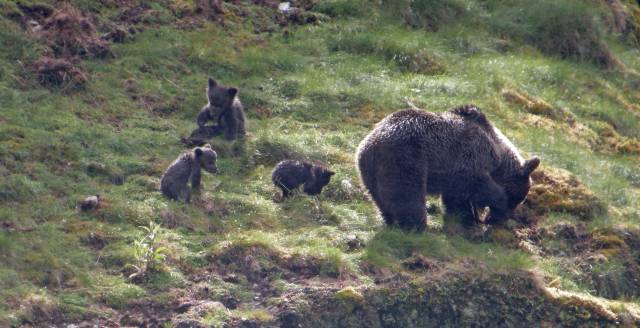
<point x="225" y="108"/>
<point x="289" y="174"/>
<point x="457" y="154"/>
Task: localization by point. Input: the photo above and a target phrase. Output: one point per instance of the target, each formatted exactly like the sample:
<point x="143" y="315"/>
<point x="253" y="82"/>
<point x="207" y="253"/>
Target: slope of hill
<point x="95" y="96"/>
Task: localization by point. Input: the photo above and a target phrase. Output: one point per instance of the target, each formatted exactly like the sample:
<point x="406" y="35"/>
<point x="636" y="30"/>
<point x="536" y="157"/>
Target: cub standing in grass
<point x="225" y="108"/>
<point x="458" y="154"/>
<point x="187" y="167"/>
<point x="290" y="174"/>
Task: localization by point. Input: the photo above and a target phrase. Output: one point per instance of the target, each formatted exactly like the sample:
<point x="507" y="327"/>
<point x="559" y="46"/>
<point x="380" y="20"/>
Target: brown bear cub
<point x="187" y="167"/>
<point x="225" y="108"/>
<point x="457" y="154"/>
<point x="290" y="174"/>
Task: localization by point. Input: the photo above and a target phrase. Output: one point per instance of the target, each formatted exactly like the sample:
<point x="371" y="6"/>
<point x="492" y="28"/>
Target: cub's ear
<point x="530" y="165"/>
<point x="331" y="173"/>
<point x="198" y="152"/>
<point x="232" y="92"/>
<point x="207" y="146"/>
<point x="212" y="82"/>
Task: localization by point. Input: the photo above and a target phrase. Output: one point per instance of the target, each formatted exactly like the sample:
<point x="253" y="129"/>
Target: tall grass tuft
<point x="567" y="28"/>
<point x="432" y="14"/>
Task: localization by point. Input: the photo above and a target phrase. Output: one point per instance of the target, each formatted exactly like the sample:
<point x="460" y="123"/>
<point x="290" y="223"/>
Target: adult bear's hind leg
<point x="403" y="199"/>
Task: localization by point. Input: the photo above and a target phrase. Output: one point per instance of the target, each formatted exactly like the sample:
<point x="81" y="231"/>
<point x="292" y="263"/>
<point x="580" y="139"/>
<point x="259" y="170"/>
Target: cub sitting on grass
<point x="225" y="108"/>
<point x="187" y="167"/>
<point x="290" y="174"/>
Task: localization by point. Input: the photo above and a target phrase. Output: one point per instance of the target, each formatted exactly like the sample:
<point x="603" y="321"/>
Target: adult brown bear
<point x="458" y="154"/>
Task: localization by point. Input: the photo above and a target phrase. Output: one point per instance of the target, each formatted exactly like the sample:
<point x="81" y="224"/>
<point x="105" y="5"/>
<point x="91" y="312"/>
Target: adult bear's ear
<point x="331" y="173"/>
<point x="232" y="92"/>
<point x="212" y="82"/>
<point x="198" y="152"/>
<point x="530" y="165"/>
<point x="207" y="146"/>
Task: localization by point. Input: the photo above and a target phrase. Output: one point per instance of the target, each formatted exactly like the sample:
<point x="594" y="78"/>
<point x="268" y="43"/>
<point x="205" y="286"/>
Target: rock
<point x="189" y="323"/>
<point x="117" y="179"/>
<point x="89" y="203"/>
<point x="230" y="302"/>
<point x="231" y="278"/>
<point x="354" y="243"/>
<point x="184" y="307"/>
<point x="60" y="72"/>
<point x="129" y="320"/>
<point x="284" y="7"/>
<point x="419" y="262"/>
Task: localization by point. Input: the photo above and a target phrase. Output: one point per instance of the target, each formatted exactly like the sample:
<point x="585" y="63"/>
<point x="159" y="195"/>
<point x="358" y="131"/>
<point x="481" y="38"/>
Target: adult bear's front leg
<point x="458" y="208"/>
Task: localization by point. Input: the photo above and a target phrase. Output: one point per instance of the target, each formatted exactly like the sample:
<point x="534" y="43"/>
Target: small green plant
<point x="149" y="255"/>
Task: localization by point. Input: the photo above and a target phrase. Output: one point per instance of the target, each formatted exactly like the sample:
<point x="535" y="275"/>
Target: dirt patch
<point x="535" y="105"/>
<point x="260" y="264"/>
<point x="209" y="8"/>
<point x="67" y="74"/>
<point x="556" y="190"/>
<point x="158" y="107"/>
<point x="611" y="139"/>
<point x="70" y="32"/>
<point x="40" y="309"/>
<point x="35" y="11"/>
<point x="624" y="20"/>
<point x="118" y="34"/>
<point x="605" y="260"/>
<point x="419" y="262"/>
<point x="10" y="226"/>
<point x="421" y="62"/>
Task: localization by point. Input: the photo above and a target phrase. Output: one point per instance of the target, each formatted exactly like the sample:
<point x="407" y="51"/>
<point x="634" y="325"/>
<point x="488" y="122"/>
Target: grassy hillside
<point x="95" y="96"/>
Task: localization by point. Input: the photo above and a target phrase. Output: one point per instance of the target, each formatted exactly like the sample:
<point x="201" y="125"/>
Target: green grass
<point x="312" y="93"/>
<point x="389" y="248"/>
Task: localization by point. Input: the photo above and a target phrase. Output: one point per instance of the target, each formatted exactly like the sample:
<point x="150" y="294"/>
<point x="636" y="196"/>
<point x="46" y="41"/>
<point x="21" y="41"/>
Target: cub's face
<point x="321" y="178"/>
<point x="207" y="158"/>
<point x="220" y="97"/>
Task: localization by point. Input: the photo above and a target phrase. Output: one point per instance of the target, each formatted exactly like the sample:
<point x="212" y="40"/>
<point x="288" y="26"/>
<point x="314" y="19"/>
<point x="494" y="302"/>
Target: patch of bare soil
<point x="606" y="260"/>
<point x="70" y="32"/>
<point x="259" y="264"/>
<point x="453" y="297"/>
<point x="67" y="74"/>
<point x="159" y="107"/>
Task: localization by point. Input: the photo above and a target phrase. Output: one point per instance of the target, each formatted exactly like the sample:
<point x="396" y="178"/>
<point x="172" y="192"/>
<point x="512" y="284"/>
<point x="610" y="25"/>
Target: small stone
<point x="230" y="302"/>
<point x="419" y="262"/>
<point x="90" y="203"/>
<point x="131" y="321"/>
<point x="354" y="243"/>
<point x="231" y="278"/>
<point x="184" y="307"/>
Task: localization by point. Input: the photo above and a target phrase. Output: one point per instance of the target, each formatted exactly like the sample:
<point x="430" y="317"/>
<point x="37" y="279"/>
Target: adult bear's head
<point x="516" y="187"/>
